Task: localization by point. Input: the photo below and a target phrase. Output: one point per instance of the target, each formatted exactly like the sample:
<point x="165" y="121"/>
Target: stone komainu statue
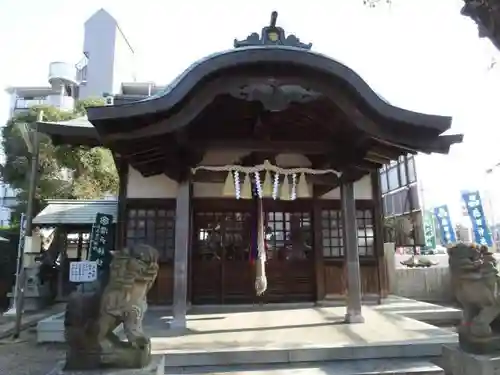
<point x="475" y="281"/>
<point x="92" y="316"/>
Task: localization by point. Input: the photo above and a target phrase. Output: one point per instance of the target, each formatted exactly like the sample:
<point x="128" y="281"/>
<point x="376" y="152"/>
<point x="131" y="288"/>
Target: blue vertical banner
<point x="445" y="225"/>
<point x="475" y="210"/>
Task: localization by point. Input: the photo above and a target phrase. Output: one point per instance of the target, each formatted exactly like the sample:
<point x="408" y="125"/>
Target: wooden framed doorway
<point x="290" y="251"/>
<point x="221" y="268"/>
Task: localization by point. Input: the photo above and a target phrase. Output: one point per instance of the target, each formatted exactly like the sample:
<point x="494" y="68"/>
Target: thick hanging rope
<point x="267" y="166"/>
<point x="260" y="264"/>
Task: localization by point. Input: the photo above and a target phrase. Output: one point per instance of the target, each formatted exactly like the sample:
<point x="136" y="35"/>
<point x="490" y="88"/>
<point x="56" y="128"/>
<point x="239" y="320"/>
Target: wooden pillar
<point x="181" y="255"/>
<point x="121" y="215"/>
<point x="62" y="238"/>
<point x="350" y="229"/>
<point x="319" y="266"/>
<point x="378" y="223"/>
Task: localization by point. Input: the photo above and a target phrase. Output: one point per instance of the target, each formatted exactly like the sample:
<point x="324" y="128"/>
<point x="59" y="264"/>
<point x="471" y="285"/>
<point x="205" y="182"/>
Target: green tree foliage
<point x="65" y="172"/>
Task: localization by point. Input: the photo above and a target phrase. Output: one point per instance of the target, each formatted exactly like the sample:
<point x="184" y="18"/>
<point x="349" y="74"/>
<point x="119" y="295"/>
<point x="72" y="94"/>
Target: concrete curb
<point x="28" y="321"/>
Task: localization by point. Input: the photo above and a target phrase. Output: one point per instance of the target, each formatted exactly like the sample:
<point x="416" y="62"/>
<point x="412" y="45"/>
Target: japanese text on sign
<point x="100" y="240"/>
<point x="82" y="272"/>
<point x="475" y="210"/>
<point x="445" y="225"/>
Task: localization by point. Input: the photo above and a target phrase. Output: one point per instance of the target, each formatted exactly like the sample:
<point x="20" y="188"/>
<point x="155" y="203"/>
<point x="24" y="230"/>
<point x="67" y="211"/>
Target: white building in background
<point x="107" y="61"/>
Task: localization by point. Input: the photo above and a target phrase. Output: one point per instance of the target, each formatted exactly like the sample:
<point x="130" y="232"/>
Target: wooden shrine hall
<point x="261" y="160"/>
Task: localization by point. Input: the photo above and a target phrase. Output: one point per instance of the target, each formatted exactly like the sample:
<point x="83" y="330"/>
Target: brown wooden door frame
<point x="210" y="205"/>
<point x="222" y="295"/>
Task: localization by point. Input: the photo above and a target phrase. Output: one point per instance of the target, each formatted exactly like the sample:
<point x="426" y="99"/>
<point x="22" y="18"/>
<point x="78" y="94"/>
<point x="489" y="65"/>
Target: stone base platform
<point x="51" y="329"/>
<point x="262" y="335"/>
<point x="457" y="362"/>
<point x="368" y="367"/>
<point x="156" y="367"/>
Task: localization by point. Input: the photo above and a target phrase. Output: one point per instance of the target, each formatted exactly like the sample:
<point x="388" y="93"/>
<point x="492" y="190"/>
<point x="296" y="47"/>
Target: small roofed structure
<point x="71" y="221"/>
<point x="269" y="136"/>
<point x="70" y="212"/>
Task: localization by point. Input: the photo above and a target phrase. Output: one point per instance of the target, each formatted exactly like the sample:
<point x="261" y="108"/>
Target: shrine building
<point x="267" y="128"/>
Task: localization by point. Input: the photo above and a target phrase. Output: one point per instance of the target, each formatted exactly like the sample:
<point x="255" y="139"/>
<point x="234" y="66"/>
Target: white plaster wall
<point x="362" y="190"/>
<point x="163" y="187"/>
<point x="208" y="190"/>
<point x="150" y="187"/>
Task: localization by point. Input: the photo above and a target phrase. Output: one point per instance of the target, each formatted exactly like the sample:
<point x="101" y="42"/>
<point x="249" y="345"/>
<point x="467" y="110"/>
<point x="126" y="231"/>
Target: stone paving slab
<point x="156" y="367"/>
<point x="292" y="335"/>
<point x="287" y="329"/>
<point x="29" y="319"/>
<point x="419" y="310"/>
<point x="392" y="367"/>
<point x="25" y="357"/>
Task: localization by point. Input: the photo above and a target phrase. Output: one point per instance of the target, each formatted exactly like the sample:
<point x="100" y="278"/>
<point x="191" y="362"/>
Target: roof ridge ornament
<point x="272" y="35"/>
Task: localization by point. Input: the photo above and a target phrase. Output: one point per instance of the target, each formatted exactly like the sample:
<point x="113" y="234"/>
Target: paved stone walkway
<point x="29" y="319"/>
<point x="25" y="357"/>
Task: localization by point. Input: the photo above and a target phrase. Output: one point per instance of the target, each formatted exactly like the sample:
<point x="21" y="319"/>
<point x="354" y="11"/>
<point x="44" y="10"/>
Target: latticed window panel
<point x="332" y="233"/>
<point x="222" y="235"/>
<point x="155" y="227"/>
<point x="289" y="235"/>
<point x="364" y="219"/>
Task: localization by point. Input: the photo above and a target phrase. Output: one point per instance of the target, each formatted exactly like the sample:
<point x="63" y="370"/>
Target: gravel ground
<point x="26" y="357"/>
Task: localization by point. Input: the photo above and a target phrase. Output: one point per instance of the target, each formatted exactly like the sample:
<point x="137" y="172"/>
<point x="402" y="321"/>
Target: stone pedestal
<point x="36" y="294"/>
<point x="458" y="362"/>
<point x="156" y="367"/>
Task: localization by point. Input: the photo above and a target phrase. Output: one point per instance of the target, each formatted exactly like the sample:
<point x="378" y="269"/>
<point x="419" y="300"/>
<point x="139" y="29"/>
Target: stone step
<point x="368" y="367"/>
<point x="259" y="356"/>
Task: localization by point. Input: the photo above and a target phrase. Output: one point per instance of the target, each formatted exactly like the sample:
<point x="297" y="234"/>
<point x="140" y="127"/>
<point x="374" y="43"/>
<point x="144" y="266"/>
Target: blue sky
<point x="418" y="54"/>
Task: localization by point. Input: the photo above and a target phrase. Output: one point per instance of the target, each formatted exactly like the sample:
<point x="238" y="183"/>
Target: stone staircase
<point x="395" y="358"/>
<point x="367" y="367"/>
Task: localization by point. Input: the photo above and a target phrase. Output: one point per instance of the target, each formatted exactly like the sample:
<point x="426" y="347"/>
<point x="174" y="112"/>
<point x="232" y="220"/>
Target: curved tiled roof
<point x="196" y="73"/>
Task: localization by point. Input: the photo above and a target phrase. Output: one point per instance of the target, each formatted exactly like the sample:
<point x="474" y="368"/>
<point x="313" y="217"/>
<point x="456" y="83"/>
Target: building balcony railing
<point x="28" y="103"/>
<point x="65" y="103"/>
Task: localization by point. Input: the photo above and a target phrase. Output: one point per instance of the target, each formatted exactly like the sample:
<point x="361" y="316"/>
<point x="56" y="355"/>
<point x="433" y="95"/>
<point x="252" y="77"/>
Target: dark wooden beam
<point x="352" y="175"/>
<point x="320" y="190"/>
<point x="277" y="147"/>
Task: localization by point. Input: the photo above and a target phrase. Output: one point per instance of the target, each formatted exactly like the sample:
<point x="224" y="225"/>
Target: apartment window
<point x="393" y="178"/>
<point x="402" y="174"/>
<point x="82" y="74"/>
<point x="383" y="182"/>
<point x="412" y="176"/>
<point x="152" y="226"/>
<point x="332" y="235"/>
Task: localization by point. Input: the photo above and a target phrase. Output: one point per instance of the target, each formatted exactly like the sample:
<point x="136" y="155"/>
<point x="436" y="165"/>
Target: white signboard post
<point x="84" y="271"/>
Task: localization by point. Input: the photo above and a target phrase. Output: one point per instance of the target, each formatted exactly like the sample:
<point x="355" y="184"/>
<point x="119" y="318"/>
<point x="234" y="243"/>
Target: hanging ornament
<point x="276" y="184"/>
<point x="258" y="185"/>
<point x="267" y="187"/>
<point x="230" y="188"/>
<point x="293" y="194"/>
<point x="237" y="184"/>
<point x="302" y="189"/>
<point x="285" y="189"/>
<point x="246" y="189"/>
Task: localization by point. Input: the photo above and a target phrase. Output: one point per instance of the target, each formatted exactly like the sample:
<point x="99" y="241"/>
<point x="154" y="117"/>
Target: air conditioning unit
<point x="109" y="100"/>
